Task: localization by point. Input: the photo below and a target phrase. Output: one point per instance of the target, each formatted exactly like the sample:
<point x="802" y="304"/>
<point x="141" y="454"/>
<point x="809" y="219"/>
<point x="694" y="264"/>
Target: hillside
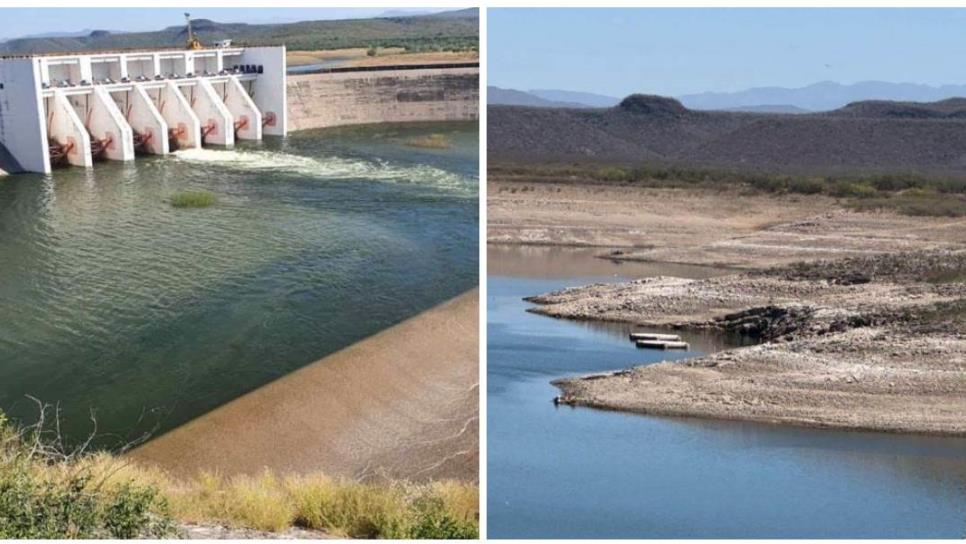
<point x="871" y="136"/>
<point x="450" y="30"/>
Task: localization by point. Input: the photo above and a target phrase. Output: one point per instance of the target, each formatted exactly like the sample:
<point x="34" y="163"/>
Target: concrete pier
<point x="247" y="117"/>
<point x="184" y="127"/>
<point x="67" y="129"/>
<point x="107" y="124"/>
<point x="217" y="123"/>
<point x="146" y="121"/>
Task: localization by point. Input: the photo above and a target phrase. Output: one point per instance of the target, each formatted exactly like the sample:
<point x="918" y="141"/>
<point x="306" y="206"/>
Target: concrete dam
<point x="76" y="109"/>
<point x="386" y="94"/>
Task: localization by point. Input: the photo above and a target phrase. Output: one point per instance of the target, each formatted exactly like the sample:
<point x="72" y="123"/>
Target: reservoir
<point x="562" y="472"/>
<point x="114" y="302"/>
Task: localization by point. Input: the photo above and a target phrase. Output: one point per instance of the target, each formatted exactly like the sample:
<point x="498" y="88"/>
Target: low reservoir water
<point x="114" y="302"/>
<point x="582" y="473"/>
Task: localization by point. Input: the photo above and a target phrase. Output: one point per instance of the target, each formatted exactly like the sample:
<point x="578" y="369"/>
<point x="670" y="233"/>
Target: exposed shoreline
<point x="402" y="404"/>
<point x="879" y="356"/>
<point x="870" y="338"/>
<point x="721" y="228"/>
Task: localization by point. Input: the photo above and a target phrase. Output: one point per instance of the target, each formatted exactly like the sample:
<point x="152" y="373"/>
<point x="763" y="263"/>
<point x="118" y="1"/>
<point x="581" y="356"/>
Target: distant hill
<point x="448" y="30"/>
<point x="548" y="98"/>
<point x="770" y="108"/>
<point x="863" y="136"/>
<point x="587" y="99"/>
<point x="513" y="97"/>
<point x="823" y="96"/>
<point x="73" y="34"/>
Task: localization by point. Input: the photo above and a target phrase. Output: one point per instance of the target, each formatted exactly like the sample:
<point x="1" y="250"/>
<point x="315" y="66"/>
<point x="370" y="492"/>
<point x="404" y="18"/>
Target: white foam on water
<point x="329" y="167"/>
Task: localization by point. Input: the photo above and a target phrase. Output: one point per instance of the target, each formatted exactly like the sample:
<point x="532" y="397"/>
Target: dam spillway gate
<point x="75" y="109"/>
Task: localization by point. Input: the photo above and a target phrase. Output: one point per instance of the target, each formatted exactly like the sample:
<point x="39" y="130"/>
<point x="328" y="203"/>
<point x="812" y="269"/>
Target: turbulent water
<point x="582" y="473"/>
<point x="112" y="301"/>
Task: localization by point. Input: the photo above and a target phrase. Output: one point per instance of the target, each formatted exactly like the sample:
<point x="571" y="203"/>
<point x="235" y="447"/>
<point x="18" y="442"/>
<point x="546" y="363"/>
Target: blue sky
<point x="681" y="51"/>
<point x="17" y="22"/>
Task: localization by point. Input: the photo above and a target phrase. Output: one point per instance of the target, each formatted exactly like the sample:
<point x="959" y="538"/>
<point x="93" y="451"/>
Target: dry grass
<point x="46" y="492"/>
<point x="269" y="502"/>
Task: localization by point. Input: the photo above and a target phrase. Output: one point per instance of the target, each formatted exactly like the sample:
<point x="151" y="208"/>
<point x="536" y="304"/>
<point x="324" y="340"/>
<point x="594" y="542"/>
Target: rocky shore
<point x="875" y="342"/>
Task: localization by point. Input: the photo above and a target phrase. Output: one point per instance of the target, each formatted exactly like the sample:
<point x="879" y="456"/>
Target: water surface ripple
<point x="112" y="300"/>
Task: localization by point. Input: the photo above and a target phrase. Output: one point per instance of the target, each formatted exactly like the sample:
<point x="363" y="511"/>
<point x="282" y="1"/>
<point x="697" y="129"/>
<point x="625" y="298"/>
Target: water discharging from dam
<point x="114" y="301"/>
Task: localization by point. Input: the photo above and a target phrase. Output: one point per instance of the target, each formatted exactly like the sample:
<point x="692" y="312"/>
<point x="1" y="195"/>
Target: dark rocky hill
<point x="872" y="136"/>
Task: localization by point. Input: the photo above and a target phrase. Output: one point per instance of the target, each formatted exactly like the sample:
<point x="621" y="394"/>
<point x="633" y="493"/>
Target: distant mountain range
<point x="866" y="136"/>
<point x="823" y="96"/>
<point x="587" y="99"/>
<point x="449" y="30"/>
<point x="513" y="97"/>
<point x="73" y="34"/>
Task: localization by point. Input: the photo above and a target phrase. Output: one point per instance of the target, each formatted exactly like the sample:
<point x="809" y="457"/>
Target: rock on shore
<point x="875" y="343"/>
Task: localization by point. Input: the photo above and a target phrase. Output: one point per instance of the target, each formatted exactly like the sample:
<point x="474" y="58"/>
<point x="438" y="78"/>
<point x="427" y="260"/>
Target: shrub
<point x="853" y="189"/>
<point x="49" y="494"/>
<point x="372" y="51"/>
<point x="192" y="199"/>
<point x="767" y="183"/>
<point x="433" y="521"/>
<point x="919" y="192"/>
<point x="96" y="495"/>
<point x="806" y="186"/>
<point x="613" y="173"/>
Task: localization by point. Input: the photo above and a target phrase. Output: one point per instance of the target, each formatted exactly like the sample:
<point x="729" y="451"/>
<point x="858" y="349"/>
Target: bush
<point x="51" y="495"/>
<point x="433" y="521"/>
<point x="46" y="494"/>
<point x="853" y="189"/>
<point x="807" y="186"/>
<point x="372" y="51"/>
<point x="767" y="183"/>
<point x="613" y="173"/>
<point x="192" y="199"/>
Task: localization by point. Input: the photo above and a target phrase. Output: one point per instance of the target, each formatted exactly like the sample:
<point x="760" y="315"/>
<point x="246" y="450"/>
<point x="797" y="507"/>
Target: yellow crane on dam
<point x="193" y="42"/>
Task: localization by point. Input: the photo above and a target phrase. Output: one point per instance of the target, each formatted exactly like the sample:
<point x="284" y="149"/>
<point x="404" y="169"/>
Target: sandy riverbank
<point x="692" y="226"/>
<point x="402" y="403"/>
<point x="871" y="335"/>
